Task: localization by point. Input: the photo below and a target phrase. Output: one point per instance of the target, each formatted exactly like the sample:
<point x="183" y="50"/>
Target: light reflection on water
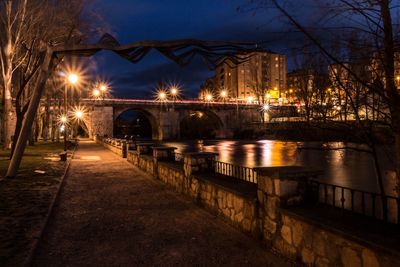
<point x="341" y="167"/>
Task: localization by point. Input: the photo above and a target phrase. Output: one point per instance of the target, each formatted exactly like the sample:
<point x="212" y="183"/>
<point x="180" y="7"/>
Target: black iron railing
<point x="386" y="208"/>
<point x="236" y="171"/>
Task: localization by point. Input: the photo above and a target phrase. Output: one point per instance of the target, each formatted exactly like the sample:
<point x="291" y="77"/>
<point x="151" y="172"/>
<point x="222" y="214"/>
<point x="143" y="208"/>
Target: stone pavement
<point x="112" y="214"/>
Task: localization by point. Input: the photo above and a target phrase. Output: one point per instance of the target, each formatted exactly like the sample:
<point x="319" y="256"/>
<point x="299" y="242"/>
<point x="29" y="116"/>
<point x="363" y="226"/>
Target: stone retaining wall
<point x="299" y="238"/>
<point x="265" y="215"/>
<point x="173" y="176"/>
<point x="316" y="246"/>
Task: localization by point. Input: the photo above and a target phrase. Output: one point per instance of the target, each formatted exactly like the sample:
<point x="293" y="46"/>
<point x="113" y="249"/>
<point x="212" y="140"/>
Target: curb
<point x="32" y="251"/>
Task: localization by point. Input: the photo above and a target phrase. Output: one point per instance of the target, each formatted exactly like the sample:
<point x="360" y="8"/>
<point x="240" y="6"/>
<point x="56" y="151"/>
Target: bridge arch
<point x="141" y="121"/>
<point x="201" y="124"/>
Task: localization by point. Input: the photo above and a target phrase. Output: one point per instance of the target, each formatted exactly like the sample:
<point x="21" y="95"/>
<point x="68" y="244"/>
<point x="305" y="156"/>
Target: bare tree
<point x="32" y="25"/>
<point x="374" y="20"/>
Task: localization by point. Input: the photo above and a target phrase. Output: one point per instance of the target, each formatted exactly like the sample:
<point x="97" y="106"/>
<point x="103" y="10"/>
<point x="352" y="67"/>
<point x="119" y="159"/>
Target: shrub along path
<point x="112" y="214"/>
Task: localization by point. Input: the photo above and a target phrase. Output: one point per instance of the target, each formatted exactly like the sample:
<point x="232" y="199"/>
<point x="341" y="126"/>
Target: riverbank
<point x="25" y="200"/>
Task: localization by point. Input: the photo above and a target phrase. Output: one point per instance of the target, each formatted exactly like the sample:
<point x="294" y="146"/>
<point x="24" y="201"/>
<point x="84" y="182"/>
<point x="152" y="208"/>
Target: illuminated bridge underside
<point x="166" y="117"/>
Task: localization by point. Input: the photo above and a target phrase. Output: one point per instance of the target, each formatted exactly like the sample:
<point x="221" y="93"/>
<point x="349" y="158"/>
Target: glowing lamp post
<point x="103" y="88"/>
<point x="63" y="119"/>
<point x="223" y="95"/>
<point x="96" y="93"/>
<point x="162" y="96"/>
<point x="72" y="79"/>
<point x="79" y="114"/>
<point x="174" y="91"/>
<point x="209" y="97"/>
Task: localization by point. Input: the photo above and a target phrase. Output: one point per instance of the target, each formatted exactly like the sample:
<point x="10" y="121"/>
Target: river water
<point x="347" y="167"/>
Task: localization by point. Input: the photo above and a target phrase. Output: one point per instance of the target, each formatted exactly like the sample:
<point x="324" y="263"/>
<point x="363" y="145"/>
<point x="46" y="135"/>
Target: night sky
<point x="133" y="20"/>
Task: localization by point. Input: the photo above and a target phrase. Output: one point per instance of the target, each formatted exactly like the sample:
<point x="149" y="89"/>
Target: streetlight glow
<point x="250" y="99"/>
<point x="265" y="107"/>
<point x="209" y="97"/>
<point x="63" y="119"/>
<point x="73" y="78"/>
<point x="79" y="114"/>
<point x="224" y="93"/>
<point x="162" y="95"/>
<point x="174" y="91"/>
<point x="96" y="92"/>
<point x="103" y="87"/>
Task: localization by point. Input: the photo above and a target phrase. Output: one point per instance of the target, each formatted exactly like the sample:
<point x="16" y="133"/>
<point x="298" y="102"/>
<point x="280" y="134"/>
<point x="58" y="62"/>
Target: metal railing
<point x="378" y="206"/>
<point x="236" y="171"/>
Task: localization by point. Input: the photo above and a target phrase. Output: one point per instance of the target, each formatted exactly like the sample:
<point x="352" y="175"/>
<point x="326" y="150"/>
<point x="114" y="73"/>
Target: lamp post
<point x="174" y="92"/>
<point x="103" y="88"/>
<point x="72" y="79"/>
<point x="223" y="95"/>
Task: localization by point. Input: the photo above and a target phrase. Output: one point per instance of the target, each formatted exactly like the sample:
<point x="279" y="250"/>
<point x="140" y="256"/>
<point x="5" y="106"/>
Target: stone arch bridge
<point x="166" y="117"/>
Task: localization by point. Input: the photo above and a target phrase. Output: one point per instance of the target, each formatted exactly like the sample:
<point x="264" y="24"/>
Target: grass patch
<point x="24" y="200"/>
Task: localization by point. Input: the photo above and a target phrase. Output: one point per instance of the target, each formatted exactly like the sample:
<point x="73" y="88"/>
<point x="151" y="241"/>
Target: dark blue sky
<point x="133" y="20"/>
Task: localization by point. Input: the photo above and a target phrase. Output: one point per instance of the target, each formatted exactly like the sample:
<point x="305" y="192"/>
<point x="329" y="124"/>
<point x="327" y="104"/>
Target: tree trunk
<point x="7" y="113"/>
<point x="30" y="116"/>
<point x="18" y="126"/>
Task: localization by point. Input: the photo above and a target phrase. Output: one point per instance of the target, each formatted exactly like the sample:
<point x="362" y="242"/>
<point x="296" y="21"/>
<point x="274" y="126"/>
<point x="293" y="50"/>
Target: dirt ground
<point x="25" y="199"/>
<point x="112" y="214"/>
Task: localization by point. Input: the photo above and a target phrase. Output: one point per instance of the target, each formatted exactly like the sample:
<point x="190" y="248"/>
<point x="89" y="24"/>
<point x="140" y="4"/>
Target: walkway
<point x="112" y="214"/>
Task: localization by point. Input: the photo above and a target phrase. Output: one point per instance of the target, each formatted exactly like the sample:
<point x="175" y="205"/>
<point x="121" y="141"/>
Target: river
<point x="349" y="168"/>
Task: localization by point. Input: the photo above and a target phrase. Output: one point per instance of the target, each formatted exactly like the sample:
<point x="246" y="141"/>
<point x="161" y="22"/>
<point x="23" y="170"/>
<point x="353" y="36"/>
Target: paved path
<point x="112" y="214"/>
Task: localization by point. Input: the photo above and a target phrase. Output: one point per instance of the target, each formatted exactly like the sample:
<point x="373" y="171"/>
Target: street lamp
<point x="265" y="107"/>
<point x="162" y="96"/>
<point x="78" y="114"/>
<point x="96" y="93"/>
<point x="174" y="91"/>
<point x="63" y="119"/>
<point x="209" y="97"/>
<point x="103" y="87"/>
<point x="72" y="79"/>
<point x="223" y="94"/>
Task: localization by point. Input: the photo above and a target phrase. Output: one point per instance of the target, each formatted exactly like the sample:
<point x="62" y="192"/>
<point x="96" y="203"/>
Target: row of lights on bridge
<point x="164" y="95"/>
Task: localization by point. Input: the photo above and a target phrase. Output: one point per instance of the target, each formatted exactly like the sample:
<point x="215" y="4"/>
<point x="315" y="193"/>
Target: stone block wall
<point x="315" y="246"/>
<point x="301" y="239"/>
<point x="172" y="176"/>
<point x="146" y="164"/>
<point x="265" y="215"/>
<point x="240" y="210"/>
<point x="133" y="157"/>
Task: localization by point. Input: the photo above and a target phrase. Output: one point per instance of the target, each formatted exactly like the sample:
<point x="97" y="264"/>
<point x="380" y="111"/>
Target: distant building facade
<point x="259" y="75"/>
